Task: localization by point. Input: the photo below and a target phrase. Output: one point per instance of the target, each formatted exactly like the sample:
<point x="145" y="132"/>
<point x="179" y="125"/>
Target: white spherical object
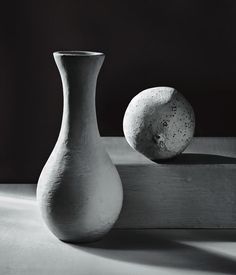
<point x="159" y="123"/>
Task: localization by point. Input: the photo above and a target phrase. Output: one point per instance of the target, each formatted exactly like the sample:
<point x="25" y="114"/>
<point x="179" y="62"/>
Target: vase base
<point x="82" y="241"/>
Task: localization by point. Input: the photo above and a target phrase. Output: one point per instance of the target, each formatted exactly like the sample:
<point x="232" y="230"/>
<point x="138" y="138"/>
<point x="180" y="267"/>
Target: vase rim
<point x="77" y="53"/>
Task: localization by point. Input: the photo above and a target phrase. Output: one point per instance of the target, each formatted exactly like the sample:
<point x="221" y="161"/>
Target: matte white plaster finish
<point x="159" y="123"/>
<point x="79" y="190"/>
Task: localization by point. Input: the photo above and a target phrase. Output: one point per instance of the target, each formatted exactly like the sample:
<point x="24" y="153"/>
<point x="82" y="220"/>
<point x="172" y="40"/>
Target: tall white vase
<point x="79" y="191"/>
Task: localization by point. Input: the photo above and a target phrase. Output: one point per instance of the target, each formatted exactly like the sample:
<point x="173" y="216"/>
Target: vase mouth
<point x="77" y="53"/>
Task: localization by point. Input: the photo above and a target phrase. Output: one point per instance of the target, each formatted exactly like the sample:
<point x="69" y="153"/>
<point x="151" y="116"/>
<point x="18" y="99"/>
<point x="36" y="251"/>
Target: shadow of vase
<point x="165" y="249"/>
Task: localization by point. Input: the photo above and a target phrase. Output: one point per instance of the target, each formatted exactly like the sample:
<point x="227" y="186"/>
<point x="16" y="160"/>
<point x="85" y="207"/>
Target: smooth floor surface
<point x="27" y="247"/>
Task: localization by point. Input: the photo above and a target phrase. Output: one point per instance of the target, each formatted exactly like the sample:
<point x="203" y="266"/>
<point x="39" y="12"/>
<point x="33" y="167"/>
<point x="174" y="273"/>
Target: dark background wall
<point x="190" y="45"/>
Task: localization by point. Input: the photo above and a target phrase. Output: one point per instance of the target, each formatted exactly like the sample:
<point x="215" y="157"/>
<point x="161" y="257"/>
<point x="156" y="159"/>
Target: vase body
<point x="79" y="190"/>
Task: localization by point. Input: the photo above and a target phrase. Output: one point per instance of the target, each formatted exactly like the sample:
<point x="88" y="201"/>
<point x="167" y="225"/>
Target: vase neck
<point x="79" y="77"/>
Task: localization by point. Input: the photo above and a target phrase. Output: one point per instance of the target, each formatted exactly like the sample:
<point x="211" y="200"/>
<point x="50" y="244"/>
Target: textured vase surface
<point x="79" y="191"/>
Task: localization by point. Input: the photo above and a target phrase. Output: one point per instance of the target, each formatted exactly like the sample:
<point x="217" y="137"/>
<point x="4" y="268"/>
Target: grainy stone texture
<point x="79" y="190"/>
<point x="159" y="123"/>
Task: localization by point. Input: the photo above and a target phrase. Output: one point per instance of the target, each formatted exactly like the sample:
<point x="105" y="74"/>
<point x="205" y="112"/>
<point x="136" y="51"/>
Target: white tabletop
<point x="28" y="248"/>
